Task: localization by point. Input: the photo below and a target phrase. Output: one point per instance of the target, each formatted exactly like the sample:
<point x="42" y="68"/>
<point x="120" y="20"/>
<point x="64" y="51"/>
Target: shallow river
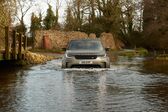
<point x="125" y="87"/>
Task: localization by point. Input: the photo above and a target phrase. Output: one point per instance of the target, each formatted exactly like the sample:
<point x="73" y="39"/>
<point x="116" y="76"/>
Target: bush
<point x="142" y="51"/>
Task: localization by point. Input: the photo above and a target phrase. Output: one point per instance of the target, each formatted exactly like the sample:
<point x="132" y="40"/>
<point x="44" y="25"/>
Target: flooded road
<point x="125" y="87"/>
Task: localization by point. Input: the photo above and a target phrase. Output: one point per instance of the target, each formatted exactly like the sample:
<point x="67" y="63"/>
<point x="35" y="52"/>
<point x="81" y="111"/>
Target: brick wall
<point x="59" y="39"/>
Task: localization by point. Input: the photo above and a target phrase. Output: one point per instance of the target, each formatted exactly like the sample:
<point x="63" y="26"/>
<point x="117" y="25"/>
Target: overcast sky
<point x="41" y="6"/>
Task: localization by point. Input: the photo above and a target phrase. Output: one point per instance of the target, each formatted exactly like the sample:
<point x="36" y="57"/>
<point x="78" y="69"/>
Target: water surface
<point x="48" y="88"/>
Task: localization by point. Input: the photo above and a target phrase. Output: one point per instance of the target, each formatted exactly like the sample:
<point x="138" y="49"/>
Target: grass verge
<point x="48" y="50"/>
<point x="134" y="52"/>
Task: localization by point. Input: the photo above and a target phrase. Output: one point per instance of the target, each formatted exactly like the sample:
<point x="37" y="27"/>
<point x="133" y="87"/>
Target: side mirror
<point x="107" y="49"/>
<point x="64" y="49"/>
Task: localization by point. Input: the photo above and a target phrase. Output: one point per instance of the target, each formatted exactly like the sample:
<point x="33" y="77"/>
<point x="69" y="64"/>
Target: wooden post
<point x="24" y="46"/>
<point x="25" y="43"/>
<point x="7" y="53"/>
<point x="14" y="54"/>
<point x="20" y="47"/>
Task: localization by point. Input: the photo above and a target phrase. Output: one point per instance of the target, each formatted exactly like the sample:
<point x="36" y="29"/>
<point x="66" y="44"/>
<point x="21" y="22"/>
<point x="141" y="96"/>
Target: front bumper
<point x="69" y="62"/>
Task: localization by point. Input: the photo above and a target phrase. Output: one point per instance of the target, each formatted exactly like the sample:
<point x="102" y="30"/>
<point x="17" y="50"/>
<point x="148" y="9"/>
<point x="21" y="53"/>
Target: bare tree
<point x="57" y="10"/>
<point x="120" y="17"/>
<point x="23" y="7"/>
<point x="7" y="10"/>
<point x="76" y="7"/>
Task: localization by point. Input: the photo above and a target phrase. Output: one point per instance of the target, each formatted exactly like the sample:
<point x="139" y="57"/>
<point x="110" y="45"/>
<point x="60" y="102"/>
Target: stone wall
<point x="109" y="41"/>
<point x="59" y="39"/>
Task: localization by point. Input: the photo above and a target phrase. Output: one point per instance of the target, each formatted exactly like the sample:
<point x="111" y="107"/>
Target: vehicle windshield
<point x="85" y="45"/>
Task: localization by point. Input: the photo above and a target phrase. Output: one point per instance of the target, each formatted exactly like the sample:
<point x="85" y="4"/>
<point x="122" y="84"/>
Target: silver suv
<point x="85" y="53"/>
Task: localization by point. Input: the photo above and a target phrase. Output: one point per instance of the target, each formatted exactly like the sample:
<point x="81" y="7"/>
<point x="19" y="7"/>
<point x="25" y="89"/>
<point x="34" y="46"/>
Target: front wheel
<point x="107" y="65"/>
<point x="63" y="65"/>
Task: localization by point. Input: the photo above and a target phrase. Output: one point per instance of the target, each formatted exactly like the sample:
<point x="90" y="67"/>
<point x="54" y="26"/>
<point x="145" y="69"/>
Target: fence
<point x="15" y="45"/>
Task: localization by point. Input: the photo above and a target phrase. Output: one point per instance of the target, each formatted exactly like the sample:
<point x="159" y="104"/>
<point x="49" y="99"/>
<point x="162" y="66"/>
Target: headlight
<point x="103" y="55"/>
<point x="67" y="55"/>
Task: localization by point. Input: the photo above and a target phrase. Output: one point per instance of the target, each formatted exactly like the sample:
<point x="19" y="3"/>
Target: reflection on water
<point x="48" y="88"/>
<point x="156" y="66"/>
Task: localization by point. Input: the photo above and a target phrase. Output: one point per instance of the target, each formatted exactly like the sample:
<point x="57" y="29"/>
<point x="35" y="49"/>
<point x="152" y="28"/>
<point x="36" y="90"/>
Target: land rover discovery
<point x="84" y="53"/>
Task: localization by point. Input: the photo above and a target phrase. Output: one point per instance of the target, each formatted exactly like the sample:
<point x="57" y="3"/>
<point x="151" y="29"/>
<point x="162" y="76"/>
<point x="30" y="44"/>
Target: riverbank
<point x="36" y="58"/>
<point x="30" y="58"/>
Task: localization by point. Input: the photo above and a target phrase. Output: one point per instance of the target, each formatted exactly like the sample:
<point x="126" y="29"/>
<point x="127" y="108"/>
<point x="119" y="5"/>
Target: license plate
<point x="85" y="62"/>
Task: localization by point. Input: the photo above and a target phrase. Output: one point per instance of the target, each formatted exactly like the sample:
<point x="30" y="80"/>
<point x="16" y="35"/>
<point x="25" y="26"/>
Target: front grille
<point x="85" y="66"/>
<point x="85" y="56"/>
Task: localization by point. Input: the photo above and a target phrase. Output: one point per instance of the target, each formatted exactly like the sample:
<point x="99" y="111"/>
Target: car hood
<point x="85" y="52"/>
